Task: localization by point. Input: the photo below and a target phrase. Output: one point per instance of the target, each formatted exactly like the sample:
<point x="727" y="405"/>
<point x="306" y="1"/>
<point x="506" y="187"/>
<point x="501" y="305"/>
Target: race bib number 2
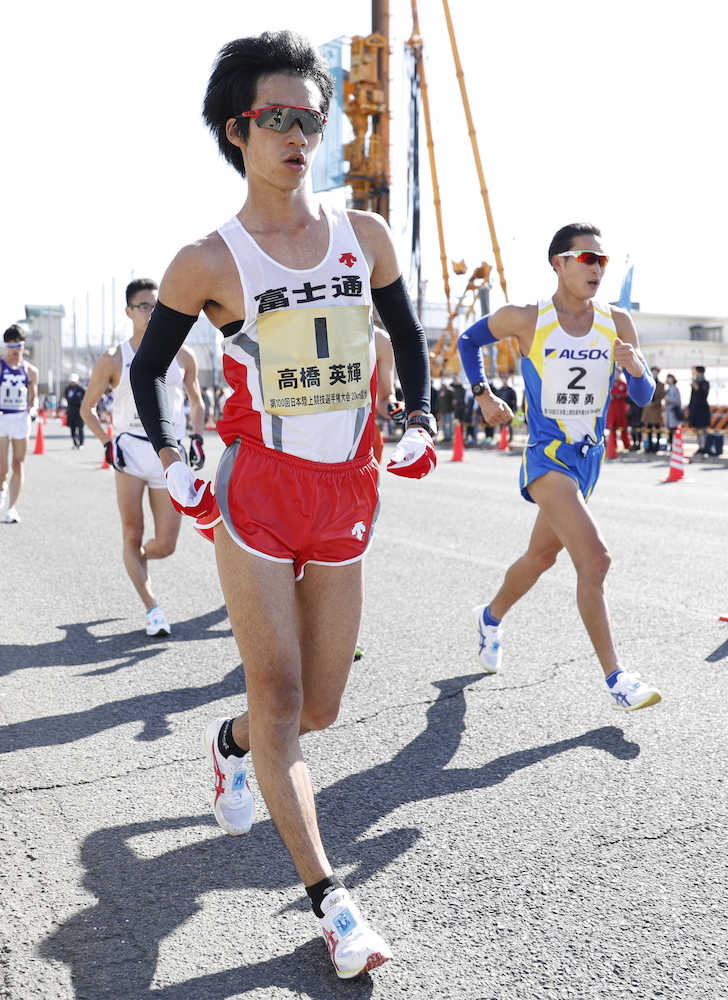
<point x="315" y="360"/>
<point x="575" y="383"/>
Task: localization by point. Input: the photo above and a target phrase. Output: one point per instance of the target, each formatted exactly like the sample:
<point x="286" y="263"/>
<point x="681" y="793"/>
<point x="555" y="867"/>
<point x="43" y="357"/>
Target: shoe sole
<point x="373" y="962"/>
<point x="207" y="747"/>
<point x="162" y="632"/>
<point x="652" y="700"/>
<point x="475" y="621"/>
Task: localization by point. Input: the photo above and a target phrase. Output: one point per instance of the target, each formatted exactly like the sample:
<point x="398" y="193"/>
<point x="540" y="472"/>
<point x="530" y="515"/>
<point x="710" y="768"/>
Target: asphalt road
<point x="514" y="837"/>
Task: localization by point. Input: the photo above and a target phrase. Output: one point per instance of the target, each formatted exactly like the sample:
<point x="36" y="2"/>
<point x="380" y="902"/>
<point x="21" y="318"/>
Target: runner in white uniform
<point x="134" y="459"/>
<point x="133" y="454"/>
<point x="18" y="400"/>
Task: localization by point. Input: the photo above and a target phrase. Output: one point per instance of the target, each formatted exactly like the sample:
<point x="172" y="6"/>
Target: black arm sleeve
<point x="408" y="343"/>
<point x="164" y="336"/>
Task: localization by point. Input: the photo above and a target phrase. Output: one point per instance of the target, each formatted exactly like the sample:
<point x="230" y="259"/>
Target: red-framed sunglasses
<point x="282" y="118"/>
<point x="587" y="257"/>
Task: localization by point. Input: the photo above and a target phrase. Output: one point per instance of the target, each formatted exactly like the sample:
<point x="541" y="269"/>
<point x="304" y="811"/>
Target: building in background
<point x="45" y="346"/>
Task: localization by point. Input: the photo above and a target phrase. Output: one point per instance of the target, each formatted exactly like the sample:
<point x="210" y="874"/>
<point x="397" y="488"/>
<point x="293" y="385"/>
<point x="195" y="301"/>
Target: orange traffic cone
<point x="458" y="446"/>
<point x="503" y="443"/>
<point x="39" y="441"/>
<point x="110" y="434"/>
<point x="612" y="444"/>
<point x="677" y="458"/>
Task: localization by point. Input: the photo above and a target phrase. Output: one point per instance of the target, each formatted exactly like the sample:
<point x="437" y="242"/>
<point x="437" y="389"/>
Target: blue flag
<point x="328" y="167"/>
<point x="625" y="296"/>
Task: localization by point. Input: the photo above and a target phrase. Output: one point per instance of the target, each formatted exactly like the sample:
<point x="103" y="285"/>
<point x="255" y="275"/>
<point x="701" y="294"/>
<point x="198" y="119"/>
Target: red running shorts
<point x="288" y="509"/>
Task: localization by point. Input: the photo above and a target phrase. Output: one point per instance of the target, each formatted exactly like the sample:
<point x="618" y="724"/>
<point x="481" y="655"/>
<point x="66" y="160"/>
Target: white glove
<point x="414" y="455"/>
<point x="190" y="496"/>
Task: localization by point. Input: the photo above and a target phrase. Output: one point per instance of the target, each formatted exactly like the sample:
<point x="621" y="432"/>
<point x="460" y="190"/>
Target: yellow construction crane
<point x="446" y="347"/>
<point x="366" y="104"/>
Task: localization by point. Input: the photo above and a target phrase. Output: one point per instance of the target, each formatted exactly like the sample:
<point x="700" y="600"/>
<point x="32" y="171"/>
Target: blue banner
<point x="625" y="296"/>
<point x="328" y="167"/>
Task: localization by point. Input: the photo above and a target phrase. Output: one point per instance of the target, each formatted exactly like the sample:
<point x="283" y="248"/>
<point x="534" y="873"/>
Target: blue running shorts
<point x="582" y="462"/>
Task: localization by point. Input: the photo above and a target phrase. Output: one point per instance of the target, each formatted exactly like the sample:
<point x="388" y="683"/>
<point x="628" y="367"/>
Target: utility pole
<point x="73" y="348"/>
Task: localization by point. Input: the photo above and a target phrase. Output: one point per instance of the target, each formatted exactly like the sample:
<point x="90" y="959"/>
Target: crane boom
<point x="476" y="153"/>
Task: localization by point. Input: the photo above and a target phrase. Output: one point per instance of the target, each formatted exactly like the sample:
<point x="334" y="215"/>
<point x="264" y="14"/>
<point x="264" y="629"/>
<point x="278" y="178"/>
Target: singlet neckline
<point x="298" y="270"/>
<point x="12" y="368"/>
<point x="574" y="336"/>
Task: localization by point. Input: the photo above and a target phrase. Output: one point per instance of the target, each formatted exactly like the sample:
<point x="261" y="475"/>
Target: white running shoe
<point x="353" y="946"/>
<point x="234" y="806"/>
<point x="630" y="693"/>
<point x="490" y="654"/>
<point x="12" y="516"/>
<point x="157" y="623"/>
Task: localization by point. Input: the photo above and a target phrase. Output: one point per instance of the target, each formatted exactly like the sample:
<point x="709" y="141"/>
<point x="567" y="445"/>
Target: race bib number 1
<point x="315" y="360"/>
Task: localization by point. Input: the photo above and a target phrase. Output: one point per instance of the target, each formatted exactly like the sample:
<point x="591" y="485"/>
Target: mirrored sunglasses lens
<point x="588" y="257"/>
<point x="283" y="119"/>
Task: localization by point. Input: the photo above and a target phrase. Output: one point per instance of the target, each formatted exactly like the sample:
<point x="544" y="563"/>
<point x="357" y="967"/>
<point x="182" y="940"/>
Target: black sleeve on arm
<point x="408" y="343"/>
<point x="165" y="334"/>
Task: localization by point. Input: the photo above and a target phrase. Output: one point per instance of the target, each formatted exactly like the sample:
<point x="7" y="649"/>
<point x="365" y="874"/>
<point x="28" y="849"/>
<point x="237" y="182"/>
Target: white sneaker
<point x="630" y="693"/>
<point x="353" y="946"/>
<point x="12" y="516"/>
<point x="234" y="806"/>
<point x="157" y="623"/>
<point x="490" y="654"/>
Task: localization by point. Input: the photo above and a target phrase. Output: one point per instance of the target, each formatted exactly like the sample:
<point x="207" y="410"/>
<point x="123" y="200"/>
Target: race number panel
<point x="314" y="360"/>
<point x="13" y="392"/>
<point x="575" y="381"/>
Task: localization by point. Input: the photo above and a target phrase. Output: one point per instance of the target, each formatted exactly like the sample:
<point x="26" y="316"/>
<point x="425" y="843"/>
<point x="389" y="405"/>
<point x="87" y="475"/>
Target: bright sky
<point x="610" y="112"/>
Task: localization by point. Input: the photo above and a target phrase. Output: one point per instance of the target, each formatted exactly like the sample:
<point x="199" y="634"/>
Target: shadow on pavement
<point x="154" y="710"/>
<point x="112" y="948"/>
<point x="718" y="654"/>
<point x="79" y="646"/>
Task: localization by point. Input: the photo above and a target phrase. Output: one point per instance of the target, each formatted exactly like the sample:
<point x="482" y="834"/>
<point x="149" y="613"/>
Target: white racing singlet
<point x="303" y="366"/>
<point x="124" y="414"/>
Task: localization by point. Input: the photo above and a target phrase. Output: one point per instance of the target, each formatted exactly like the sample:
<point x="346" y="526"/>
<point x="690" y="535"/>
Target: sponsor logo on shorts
<point x="359" y="530"/>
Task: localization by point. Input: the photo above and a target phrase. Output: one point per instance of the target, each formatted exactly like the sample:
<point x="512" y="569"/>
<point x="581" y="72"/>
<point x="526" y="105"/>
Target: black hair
<point x="139" y="285"/>
<point x="13" y="334"/>
<point x="234" y="79"/>
<point x="565" y="236"/>
<point x="700" y="369"/>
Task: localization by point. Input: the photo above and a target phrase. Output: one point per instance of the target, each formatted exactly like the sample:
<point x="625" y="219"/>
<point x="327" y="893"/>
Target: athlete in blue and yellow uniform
<point x="570" y="348"/>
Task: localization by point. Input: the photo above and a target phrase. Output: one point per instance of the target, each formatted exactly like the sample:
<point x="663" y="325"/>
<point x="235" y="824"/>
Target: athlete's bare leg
<point x="4" y="451"/>
<point x="17" y="475"/>
<point x="166" y="526"/>
<point x="543" y="548"/>
<point x="129" y="494"/>
<point x="297" y="656"/>
<point x="565" y="511"/>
